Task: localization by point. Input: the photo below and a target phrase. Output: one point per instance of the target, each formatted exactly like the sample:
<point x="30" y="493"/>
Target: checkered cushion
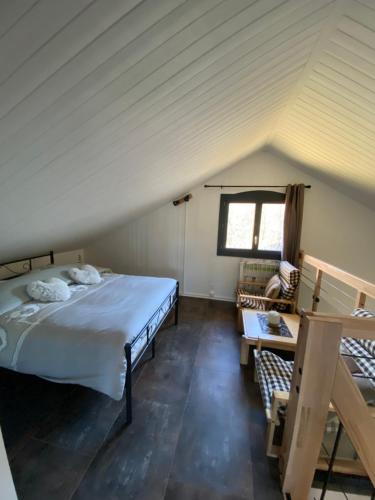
<point x="363" y="350"/>
<point x="367" y="344"/>
<point x="274" y="374"/>
<point x="289" y="278"/>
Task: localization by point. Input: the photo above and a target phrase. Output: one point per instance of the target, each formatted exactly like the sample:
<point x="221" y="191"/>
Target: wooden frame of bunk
<point x="320" y="378"/>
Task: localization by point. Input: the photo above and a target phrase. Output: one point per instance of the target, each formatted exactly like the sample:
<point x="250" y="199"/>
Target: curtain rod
<point x="260" y="186"/>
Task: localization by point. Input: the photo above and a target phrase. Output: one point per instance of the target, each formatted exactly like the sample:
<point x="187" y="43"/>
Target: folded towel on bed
<point x="87" y="275"/>
<point x="52" y="290"/>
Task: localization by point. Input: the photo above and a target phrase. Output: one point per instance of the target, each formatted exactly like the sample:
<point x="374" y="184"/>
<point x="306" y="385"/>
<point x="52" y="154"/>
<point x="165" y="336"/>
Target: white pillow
<point x="52" y="290"/>
<point x="87" y="275"/>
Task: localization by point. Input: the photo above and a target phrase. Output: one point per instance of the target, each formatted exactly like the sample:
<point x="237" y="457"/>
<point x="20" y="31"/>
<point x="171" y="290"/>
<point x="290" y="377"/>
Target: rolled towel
<point x="87" y="275"/>
<point x="52" y="290"/>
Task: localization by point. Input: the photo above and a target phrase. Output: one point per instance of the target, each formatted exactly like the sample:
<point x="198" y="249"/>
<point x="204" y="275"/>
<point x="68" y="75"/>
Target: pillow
<point x="273" y="286"/>
<point x="52" y="290"/>
<point x="13" y="291"/>
<point x="87" y="275"/>
<point x="52" y="271"/>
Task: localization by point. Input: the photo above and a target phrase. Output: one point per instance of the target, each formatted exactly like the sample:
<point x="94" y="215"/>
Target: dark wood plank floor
<point x="198" y="430"/>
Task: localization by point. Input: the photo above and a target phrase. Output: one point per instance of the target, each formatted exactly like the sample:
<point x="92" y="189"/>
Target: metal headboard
<point x="27" y="266"/>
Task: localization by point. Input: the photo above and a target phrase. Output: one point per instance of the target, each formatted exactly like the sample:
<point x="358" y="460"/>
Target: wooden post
<point x="360" y="301"/>
<point x="244" y="356"/>
<point x="311" y="389"/>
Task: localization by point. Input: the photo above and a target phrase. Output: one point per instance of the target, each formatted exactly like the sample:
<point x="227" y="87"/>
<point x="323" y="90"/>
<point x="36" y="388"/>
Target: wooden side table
<point x="253" y="334"/>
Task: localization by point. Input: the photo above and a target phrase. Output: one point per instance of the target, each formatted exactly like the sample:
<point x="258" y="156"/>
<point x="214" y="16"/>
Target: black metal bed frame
<point x="172" y="298"/>
<point x="150" y="339"/>
<point x="28" y="263"/>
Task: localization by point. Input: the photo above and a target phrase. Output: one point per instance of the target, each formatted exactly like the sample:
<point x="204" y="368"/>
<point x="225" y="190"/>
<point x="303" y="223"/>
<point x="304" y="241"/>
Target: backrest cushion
<point x="289" y="279"/>
<point x="289" y="274"/>
<point x="273" y="287"/>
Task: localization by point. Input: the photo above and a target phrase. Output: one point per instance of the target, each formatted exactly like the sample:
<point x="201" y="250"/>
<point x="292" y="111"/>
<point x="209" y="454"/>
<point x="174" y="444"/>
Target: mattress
<point x="82" y="340"/>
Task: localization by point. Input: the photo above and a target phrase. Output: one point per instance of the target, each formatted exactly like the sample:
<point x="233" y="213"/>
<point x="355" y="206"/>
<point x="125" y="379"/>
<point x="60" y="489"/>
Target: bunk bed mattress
<point x="82" y="340"/>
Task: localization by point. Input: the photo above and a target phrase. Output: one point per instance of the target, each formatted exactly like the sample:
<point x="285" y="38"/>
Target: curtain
<point x="293" y="222"/>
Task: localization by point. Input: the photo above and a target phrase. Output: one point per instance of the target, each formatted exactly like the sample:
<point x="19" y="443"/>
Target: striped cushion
<point x="250" y="303"/>
<point x="273" y="287"/>
<point x="363" y="313"/>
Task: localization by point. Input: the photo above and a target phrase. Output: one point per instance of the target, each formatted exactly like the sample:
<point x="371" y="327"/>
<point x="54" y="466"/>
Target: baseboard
<point x="206" y="296"/>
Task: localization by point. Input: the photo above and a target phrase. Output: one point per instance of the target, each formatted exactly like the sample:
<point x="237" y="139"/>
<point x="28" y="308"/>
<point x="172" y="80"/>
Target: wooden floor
<point x="198" y="430"/>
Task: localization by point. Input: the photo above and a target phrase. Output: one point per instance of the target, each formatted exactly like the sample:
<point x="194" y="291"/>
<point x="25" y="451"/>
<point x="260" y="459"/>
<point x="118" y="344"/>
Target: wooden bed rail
<point x="321" y="376"/>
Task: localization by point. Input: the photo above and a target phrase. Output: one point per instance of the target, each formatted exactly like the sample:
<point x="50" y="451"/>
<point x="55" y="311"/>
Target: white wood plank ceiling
<point x="108" y="108"/>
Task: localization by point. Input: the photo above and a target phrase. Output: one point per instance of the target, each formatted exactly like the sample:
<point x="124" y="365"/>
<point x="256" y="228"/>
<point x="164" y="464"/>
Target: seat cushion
<point x="274" y="374"/>
<point x="249" y="303"/>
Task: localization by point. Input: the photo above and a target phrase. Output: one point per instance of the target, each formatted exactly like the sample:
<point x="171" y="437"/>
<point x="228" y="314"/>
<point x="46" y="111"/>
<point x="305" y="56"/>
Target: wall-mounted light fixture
<point x="184" y="199"/>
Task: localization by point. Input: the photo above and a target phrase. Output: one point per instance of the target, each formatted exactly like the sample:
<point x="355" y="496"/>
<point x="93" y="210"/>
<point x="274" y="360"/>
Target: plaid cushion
<point x="289" y="278"/>
<point x="363" y="359"/>
<point x="274" y="374"/>
<point x="363" y="350"/>
<point x="289" y="273"/>
<point x="367" y="344"/>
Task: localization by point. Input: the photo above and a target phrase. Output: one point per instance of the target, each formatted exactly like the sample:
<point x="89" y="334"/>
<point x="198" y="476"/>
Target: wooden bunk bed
<point x="322" y="382"/>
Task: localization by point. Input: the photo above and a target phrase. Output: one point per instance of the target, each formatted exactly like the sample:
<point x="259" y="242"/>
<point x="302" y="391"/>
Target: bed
<point x="94" y="339"/>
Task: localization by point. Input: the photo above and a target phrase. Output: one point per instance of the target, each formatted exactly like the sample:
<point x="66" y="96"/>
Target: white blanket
<point x="82" y="340"/>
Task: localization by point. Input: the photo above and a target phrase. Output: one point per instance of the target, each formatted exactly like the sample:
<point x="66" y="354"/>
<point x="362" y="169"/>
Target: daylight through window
<point x="251" y="224"/>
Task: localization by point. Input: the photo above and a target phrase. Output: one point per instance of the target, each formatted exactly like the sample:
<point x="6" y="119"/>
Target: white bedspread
<point x="82" y="340"/>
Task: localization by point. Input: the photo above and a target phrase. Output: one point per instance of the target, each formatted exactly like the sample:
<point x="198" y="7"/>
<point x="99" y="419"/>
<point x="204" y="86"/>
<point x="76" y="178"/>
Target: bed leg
<point x="177" y="303"/>
<point x="128" y="384"/>
<point x="153" y="347"/>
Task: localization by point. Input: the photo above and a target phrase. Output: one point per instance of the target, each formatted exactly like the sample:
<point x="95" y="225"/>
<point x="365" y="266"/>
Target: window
<point x="251" y="224"/>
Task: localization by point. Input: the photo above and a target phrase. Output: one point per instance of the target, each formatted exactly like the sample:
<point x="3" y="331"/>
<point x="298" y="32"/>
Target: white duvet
<point x="82" y="340"/>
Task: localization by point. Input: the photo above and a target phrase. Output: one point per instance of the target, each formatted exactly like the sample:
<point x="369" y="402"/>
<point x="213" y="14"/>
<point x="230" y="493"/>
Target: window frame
<point x="257" y="197"/>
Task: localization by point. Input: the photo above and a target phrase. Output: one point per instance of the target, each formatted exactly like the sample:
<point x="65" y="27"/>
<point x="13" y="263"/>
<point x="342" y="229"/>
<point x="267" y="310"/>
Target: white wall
<point x="181" y="241"/>
<point x="151" y="245"/>
<point x="72" y="257"/>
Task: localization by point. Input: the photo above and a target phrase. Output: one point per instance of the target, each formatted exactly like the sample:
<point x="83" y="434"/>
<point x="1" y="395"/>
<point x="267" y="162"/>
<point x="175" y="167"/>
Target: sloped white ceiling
<point x="108" y="108"/>
<point x="329" y="122"/>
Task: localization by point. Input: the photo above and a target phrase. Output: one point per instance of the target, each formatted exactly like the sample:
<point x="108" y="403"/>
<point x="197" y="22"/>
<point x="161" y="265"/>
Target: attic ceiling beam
<point x="337" y="9"/>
